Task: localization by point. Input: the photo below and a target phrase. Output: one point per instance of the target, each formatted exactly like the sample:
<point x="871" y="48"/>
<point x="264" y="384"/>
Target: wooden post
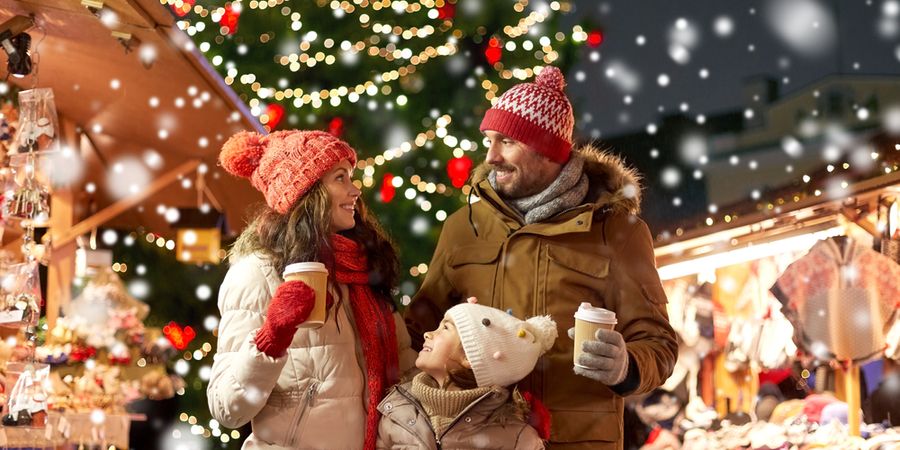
<point x="61" y="269"/>
<point x="853" y="397"/>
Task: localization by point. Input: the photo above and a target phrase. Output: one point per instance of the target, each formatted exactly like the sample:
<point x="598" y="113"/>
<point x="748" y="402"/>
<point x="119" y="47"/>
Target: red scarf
<point x="374" y="326"/>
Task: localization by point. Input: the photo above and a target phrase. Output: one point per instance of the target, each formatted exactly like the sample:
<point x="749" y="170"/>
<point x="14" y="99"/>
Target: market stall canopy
<point x="133" y="84"/>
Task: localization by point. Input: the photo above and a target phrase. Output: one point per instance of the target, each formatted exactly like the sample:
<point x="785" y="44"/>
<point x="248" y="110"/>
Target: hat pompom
<point x="241" y="153"/>
<point x="544" y="330"/>
<point x="551" y="77"/>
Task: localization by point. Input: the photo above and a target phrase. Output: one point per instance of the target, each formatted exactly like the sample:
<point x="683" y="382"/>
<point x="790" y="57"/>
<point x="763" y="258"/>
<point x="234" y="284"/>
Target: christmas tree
<point x="404" y="82"/>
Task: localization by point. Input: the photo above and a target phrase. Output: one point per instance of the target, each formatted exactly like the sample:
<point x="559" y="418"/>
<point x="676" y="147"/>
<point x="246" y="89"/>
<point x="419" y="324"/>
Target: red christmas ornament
<point x="447" y="12"/>
<point x="275" y="112"/>
<point x="336" y="126"/>
<point x="229" y="19"/>
<point x="184" y="9"/>
<point x="595" y="38"/>
<point x="179" y="337"/>
<point x="458" y="170"/>
<point x="387" y="188"/>
<point x="494" y="51"/>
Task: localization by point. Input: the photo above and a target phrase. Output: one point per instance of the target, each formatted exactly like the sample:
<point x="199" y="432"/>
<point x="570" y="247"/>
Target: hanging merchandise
<point x="842" y="296"/>
<point x="27" y="195"/>
<point x="889" y="217"/>
<point x="27" y="398"/>
<point x="20" y="295"/>
<point x="104" y="315"/>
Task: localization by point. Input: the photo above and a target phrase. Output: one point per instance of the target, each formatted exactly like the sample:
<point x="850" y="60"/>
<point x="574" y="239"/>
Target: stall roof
<point x="109" y="95"/>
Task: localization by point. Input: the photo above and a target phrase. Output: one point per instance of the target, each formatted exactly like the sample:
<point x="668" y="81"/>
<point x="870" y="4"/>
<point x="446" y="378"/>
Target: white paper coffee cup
<point x="315" y="275"/>
<point x="589" y="319"/>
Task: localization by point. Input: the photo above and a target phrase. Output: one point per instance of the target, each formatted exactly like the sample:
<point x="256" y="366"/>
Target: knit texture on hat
<point x="283" y="165"/>
<point x="501" y="348"/>
<point x="537" y="114"/>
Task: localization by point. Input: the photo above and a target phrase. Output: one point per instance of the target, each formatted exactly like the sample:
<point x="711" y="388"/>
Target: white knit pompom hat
<point x="501" y="348"/>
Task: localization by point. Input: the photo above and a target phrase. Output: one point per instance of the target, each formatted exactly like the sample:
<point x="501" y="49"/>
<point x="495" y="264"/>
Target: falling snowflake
<point x="623" y="77"/>
<point x="807" y="26"/>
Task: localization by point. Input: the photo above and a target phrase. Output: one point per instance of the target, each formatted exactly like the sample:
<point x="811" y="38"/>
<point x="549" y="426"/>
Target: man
<point x="554" y="228"/>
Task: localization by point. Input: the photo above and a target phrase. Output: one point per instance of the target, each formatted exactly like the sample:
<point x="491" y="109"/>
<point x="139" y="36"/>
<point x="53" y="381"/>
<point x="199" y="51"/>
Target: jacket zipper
<point x="310" y="399"/>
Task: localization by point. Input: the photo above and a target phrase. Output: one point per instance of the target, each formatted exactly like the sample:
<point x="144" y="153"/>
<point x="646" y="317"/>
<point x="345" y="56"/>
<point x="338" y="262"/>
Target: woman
<point x="305" y="388"/>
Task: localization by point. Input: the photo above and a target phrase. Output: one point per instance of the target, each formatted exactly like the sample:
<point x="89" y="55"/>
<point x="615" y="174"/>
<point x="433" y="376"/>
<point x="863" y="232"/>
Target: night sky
<point x="850" y="36"/>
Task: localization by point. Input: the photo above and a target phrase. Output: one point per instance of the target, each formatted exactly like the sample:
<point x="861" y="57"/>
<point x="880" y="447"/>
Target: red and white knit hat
<point x="537" y="114"/>
<point x="285" y="164"/>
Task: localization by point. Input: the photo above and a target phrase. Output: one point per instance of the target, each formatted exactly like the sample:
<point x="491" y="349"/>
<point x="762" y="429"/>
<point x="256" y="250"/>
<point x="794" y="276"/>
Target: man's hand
<point x="606" y="357"/>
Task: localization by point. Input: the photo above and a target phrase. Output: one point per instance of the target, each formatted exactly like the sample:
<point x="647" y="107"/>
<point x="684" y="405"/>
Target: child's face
<point x="442" y="351"/>
<point x="343" y="195"/>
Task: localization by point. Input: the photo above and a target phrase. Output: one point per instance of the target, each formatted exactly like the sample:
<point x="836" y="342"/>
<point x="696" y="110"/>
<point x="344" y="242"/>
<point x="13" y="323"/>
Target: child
<point x="461" y="398"/>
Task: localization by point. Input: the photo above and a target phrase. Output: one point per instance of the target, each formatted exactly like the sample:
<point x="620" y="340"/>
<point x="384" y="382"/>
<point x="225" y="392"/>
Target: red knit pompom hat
<point x="285" y="164"/>
<point x="537" y="114"/>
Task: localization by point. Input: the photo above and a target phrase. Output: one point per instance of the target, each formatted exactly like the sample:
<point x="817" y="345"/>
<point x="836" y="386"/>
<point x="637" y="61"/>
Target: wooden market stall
<point x="131" y="90"/>
<point x="126" y="80"/>
<point x="790" y="226"/>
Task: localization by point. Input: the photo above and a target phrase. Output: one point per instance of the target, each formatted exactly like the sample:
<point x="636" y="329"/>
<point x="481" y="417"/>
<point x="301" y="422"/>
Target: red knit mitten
<point x="291" y="305"/>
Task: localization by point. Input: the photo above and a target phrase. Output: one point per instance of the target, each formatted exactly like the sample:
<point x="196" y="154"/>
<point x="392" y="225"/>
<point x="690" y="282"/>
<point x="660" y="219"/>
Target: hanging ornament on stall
<point x="447" y="11"/>
<point x="458" y="169"/>
<point x="184" y="9"/>
<point x="274" y="113"/>
<point x="336" y="126"/>
<point x="229" y="20"/>
<point x="595" y="38"/>
<point x="388" y="191"/>
<point x="494" y="51"/>
<point x="178" y="336"/>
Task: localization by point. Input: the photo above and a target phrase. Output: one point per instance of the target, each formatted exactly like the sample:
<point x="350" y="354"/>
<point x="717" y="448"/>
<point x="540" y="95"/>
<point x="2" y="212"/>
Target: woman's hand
<point x="291" y="305"/>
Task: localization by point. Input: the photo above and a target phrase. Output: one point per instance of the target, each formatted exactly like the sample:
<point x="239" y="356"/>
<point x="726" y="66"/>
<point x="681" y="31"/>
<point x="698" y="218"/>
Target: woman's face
<point x="442" y="351"/>
<point x="343" y="195"/>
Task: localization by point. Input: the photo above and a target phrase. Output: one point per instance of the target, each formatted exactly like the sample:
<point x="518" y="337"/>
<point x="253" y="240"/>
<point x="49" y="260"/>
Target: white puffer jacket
<point x="314" y="396"/>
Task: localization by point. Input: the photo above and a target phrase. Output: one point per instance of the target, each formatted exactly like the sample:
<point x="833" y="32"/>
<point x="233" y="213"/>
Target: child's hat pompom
<point x="544" y="330"/>
<point x="242" y="152"/>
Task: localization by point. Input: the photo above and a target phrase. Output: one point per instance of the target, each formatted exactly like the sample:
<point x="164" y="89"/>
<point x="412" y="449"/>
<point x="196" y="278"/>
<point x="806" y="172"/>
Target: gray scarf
<point x="567" y="191"/>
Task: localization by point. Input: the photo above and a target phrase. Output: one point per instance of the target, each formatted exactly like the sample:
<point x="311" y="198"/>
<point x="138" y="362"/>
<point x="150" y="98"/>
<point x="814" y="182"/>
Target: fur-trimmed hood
<point x="612" y="184"/>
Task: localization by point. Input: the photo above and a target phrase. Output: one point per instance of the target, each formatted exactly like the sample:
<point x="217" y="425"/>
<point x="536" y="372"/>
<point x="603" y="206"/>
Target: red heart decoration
<point x="179" y="337"/>
<point x="458" y="170"/>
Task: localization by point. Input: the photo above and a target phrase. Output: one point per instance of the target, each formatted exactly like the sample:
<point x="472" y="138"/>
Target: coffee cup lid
<point x="305" y="267"/>
<point x="594" y="314"/>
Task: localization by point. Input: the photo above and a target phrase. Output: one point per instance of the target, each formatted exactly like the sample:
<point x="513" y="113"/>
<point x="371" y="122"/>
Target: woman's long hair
<point x="303" y="235"/>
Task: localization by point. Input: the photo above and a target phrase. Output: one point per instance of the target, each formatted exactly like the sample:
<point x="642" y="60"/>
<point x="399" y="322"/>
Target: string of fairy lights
<point x="385" y="42"/>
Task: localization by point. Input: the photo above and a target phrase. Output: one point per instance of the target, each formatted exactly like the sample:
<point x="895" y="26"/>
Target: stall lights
<point x="741" y="255"/>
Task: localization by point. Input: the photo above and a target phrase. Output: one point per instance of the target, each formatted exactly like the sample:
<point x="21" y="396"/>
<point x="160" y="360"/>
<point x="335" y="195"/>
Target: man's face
<point x="520" y="170"/>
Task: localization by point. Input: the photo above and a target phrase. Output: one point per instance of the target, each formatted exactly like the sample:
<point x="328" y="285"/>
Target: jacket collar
<point x="613" y="185"/>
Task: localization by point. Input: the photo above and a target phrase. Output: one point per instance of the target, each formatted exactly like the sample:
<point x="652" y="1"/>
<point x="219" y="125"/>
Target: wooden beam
<point x="111" y="211"/>
<point x="61" y="268"/>
<point x="14" y="246"/>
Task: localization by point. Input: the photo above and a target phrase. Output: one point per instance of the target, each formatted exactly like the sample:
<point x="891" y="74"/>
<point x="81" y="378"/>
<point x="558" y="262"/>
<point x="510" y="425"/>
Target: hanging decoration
<point x="274" y="113"/>
<point x="447" y="11"/>
<point x="458" y="169"/>
<point x="388" y="191"/>
<point x="595" y="38"/>
<point x="229" y="20"/>
<point x="184" y="9"/>
<point x="178" y="336"/>
<point x="336" y="126"/>
<point x="494" y="51"/>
